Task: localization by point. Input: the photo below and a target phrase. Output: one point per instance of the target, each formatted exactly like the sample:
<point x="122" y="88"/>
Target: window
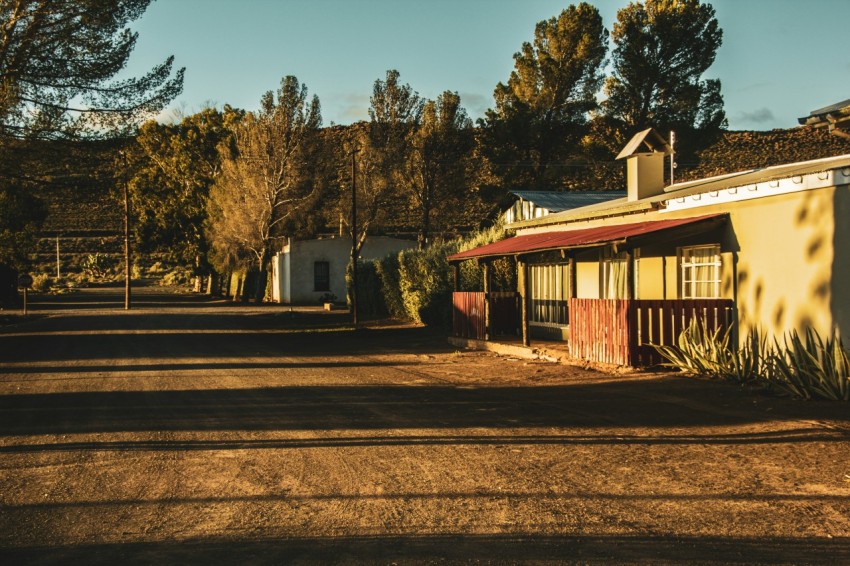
<point x="550" y="293"/>
<point x="615" y="275"/>
<point x="699" y="272"/>
<point x="321" y="276"/>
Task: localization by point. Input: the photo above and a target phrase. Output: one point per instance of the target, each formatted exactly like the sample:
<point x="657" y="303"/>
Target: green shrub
<point x="418" y="284"/>
<point x="99" y="266"/>
<point x="370" y="301"/>
<point x="177" y="277"/>
<point x="388" y="276"/>
<point x="41" y="282"/>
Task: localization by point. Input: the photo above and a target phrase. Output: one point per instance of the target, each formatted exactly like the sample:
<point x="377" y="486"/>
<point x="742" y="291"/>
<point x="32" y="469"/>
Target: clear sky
<point x="780" y="59"/>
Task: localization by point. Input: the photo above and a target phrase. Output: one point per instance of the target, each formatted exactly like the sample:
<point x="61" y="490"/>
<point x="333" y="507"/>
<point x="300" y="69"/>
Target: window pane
<point x="321" y="276"/>
<point x="700" y="272"/>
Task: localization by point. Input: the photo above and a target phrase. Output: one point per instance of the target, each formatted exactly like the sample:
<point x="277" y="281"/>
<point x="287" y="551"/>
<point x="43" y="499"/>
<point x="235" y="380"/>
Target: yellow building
<point x="766" y="248"/>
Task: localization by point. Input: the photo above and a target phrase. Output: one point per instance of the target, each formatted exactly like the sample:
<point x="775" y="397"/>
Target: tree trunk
<point x="425" y="229"/>
<point x="262" y="276"/>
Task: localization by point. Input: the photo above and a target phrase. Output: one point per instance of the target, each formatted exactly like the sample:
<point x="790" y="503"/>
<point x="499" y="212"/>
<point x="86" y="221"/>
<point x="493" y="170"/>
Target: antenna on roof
<point x="672" y="155"/>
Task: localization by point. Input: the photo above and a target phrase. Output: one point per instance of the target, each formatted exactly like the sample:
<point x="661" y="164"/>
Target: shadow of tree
<point x="428" y="548"/>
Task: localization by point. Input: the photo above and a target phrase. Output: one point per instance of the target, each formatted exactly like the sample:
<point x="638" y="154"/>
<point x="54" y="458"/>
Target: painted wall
<point x="785" y="259"/>
<point x="293" y="266"/>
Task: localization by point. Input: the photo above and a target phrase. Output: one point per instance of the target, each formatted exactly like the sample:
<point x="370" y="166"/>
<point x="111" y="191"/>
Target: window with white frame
<point x="699" y="272"/>
<point x="615" y="275"/>
<point x="550" y="293"/>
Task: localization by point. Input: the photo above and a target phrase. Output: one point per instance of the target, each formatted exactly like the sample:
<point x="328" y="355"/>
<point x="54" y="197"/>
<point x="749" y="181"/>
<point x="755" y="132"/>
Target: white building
<point x="312" y="270"/>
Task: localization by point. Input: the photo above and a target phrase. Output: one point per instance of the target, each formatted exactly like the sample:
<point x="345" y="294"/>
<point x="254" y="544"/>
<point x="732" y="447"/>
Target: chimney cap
<point x="647" y="141"/>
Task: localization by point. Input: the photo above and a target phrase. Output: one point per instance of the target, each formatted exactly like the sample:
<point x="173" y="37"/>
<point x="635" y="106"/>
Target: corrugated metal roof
<point x="815" y="115"/>
<point x="585" y="237"/>
<point x="567" y="200"/>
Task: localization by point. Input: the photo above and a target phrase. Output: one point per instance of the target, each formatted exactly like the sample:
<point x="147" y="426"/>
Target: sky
<point x="780" y="59"/>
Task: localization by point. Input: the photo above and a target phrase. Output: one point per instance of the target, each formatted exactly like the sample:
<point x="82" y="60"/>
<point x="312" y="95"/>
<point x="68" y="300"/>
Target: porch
<point x="612" y="331"/>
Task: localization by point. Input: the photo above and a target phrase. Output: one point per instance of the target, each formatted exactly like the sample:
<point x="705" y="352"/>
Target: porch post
<point x="523" y="297"/>
<point x="573" y="277"/>
<point x="630" y="274"/>
<point x="488" y="319"/>
<point x="456" y="272"/>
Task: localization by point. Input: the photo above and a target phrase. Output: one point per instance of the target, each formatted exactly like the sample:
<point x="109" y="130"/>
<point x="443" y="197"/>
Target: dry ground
<point x="193" y="431"/>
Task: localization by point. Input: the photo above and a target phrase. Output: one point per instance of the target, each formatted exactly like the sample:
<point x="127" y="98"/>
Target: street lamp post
<point x="354" y="238"/>
<point x="126" y="234"/>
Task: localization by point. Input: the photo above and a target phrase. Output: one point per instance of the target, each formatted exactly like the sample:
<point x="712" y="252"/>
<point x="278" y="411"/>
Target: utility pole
<point x="672" y="156"/>
<point x="354" y="237"/>
<point x="58" y="263"/>
<point x="126" y="234"/>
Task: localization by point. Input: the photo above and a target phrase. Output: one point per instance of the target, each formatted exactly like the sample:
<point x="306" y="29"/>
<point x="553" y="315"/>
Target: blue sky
<point x="780" y="59"/>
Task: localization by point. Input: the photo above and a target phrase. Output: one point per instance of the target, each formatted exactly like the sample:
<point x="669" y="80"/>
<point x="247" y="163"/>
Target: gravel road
<point x="191" y="430"/>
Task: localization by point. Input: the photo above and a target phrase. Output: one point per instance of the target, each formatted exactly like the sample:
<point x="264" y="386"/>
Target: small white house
<point x="309" y="270"/>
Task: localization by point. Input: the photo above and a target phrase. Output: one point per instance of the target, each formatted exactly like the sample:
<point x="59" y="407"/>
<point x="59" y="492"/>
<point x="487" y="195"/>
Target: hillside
<point x="88" y="216"/>
<point x="743" y="150"/>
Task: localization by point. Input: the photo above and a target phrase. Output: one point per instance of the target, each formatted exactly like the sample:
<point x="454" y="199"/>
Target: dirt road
<point x="194" y="431"/>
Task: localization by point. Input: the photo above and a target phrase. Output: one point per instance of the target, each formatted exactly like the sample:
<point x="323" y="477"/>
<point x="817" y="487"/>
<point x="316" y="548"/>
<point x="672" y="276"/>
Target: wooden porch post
<point x="456" y="272"/>
<point x="573" y="277"/>
<point x="488" y="319"/>
<point x="523" y="297"/>
<point x="630" y="274"/>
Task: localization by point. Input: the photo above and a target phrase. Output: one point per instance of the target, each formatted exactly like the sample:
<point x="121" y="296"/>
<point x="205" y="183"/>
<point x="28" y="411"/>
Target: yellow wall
<point x="784" y="270"/>
<point x="781" y="260"/>
<point x="785" y="259"/>
<point x="587" y="274"/>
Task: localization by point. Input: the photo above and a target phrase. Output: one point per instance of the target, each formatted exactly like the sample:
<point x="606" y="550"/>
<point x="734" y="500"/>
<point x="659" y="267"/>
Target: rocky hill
<point x="743" y="150"/>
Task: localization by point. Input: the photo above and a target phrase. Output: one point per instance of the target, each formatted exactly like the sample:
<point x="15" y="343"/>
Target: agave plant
<point x="701" y="351"/>
<point x="813" y="367"/>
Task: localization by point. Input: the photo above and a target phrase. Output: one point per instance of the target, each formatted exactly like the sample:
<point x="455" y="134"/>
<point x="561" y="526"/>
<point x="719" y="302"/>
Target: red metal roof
<point x="575" y="238"/>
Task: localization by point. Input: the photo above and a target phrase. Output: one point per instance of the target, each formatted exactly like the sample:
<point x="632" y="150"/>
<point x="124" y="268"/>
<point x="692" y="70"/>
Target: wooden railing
<point x="612" y="331"/>
<point x="622" y="332"/>
<point x="504" y="313"/>
<point x="468" y="314"/>
<point x="599" y="330"/>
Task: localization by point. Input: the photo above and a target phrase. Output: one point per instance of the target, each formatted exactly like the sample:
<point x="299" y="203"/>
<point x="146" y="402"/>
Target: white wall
<point x="293" y="282"/>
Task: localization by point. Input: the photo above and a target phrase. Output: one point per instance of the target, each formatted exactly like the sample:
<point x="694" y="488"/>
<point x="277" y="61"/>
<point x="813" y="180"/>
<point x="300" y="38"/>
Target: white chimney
<point x="644" y="156"/>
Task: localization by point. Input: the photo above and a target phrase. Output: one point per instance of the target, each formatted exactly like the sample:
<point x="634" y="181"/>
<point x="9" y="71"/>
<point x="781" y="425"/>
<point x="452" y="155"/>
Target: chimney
<point x="644" y="155"/>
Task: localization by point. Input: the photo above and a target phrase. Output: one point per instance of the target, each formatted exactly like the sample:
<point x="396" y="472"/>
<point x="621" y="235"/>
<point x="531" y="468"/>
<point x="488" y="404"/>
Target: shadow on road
<point x="324" y="408"/>
<point x="497" y="549"/>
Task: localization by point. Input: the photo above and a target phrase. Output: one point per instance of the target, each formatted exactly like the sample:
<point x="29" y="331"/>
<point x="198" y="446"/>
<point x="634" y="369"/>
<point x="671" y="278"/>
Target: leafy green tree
<point x="541" y="113"/>
<point x="174" y="166"/>
<point x="438" y="172"/>
<point x="380" y="150"/>
<point x="662" y="49"/>
<point x="58" y="60"/>
<point x="264" y="179"/>
<point x="21" y="215"/>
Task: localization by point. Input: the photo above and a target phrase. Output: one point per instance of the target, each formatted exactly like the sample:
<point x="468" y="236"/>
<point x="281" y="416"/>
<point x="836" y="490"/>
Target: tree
<point x="438" y="172"/>
<point x="662" y="49"/>
<point x="21" y="215"/>
<point x="541" y="113"/>
<point x="173" y="167"/>
<point x="382" y="147"/>
<point x="58" y="60"/>
<point x="264" y="179"/>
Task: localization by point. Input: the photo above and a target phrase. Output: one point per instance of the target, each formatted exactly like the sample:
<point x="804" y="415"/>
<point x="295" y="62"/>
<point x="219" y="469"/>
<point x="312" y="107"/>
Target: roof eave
<point x="579" y="214"/>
